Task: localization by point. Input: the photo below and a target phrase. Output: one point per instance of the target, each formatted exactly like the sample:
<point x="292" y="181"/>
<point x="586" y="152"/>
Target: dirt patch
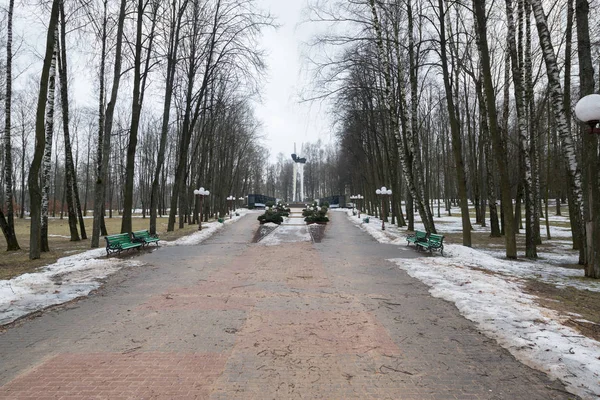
<point x="317" y="232"/>
<point x="569" y="301"/>
<point x="588" y="329"/>
<point x="261" y="232"/>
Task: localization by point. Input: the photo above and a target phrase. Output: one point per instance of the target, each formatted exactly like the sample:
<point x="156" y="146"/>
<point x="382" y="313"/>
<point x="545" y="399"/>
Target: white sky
<point x="286" y="120"/>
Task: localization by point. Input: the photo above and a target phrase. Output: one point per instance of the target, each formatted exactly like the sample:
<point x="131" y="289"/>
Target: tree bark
<point x="47" y="161"/>
<point x="454" y="130"/>
<point x="70" y="184"/>
<point x="35" y="194"/>
<point x="175" y="29"/>
<point x="590" y="145"/>
<point x="530" y="198"/>
<point x="495" y="131"/>
<point x="556" y="99"/>
<point x="105" y="128"/>
<point x="7" y="223"/>
<point x="139" y="88"/>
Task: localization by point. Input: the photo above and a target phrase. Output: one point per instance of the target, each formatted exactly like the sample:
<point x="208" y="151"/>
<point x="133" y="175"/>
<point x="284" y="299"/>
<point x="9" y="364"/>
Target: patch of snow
<point x="287" y="234"/>
<point x="68" y="278"/>
<point x="504" y="312"/>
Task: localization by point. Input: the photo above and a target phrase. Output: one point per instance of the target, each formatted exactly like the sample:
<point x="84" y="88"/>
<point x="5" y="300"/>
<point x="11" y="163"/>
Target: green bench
<point x="118" y="243"/>
<point x="434" y="243"/>
<point x="418" y="236"/>
<point x="145" y="238"/>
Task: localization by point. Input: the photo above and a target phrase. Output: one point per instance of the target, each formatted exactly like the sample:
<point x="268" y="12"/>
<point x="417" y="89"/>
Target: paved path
<point x="232" y="320"/>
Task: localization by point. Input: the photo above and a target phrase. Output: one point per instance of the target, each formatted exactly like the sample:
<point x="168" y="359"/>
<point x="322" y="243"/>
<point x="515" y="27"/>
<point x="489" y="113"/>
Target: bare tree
<point x="7" y="223"/>
<point x="35" y="194"/>
<point x="106" y="124"/>
<point x="139" y="87"/>
<point x="177" y="12"/>
<point x="495" y="130"/>
<point x="71" y="186"/>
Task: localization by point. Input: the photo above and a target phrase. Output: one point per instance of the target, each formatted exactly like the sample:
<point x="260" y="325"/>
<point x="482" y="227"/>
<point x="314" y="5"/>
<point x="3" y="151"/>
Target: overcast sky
<point x="286" y="120"/>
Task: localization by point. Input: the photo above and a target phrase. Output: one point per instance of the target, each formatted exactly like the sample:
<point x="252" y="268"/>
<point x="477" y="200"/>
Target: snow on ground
<point x="293" y="229"/>
<point x="68" y="278"/>
<point x="496" y="301"/>
<point x="287" y="234"/>
<point x="75" y="276"/>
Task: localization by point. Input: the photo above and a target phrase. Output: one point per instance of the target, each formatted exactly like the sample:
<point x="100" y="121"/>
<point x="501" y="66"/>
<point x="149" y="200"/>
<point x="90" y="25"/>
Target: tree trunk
<point x="47" y="161"/>
<point x="454" y="130"/>
<point x="105" y="127"/>
<point x="139" y="88"/>
<point x="520" y="96"/>
<point x="177" y="15"/>
<point x="35" y="194"/>
<point x="495" y="131"/>
<point x="7" y="224"/>
<point x="70" y="184"/>
<point x="590" y="145"/>
<point x="556" y="99"/>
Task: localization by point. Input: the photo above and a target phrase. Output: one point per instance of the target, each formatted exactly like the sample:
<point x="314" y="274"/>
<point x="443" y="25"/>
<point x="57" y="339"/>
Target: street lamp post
<point x="241" y="199"/>
<point x="587" y="110"/>
<point x="201" y="193"/>
<point x="383" y="192"/>
<point x="230" y="200"/>
<point x="357" y="198"/>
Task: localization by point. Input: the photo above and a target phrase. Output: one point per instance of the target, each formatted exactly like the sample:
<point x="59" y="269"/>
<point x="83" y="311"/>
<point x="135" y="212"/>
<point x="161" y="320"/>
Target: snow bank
<point x="68" y="278"/>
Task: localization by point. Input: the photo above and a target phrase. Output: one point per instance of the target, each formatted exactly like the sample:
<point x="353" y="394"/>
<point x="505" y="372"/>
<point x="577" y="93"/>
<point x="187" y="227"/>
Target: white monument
<point x="298" y="170"/>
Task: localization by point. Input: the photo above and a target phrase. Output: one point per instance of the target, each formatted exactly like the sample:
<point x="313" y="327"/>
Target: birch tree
<point x="47" y="161"/>
<point x="519" y="87"/>
<point x="424" y="210"/>
<point x="556" y="99"/>
<point x="7" y="223"/>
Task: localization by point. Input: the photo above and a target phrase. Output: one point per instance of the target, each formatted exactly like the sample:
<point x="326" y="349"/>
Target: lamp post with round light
<point x="201" y="193"/>
<point x="230" y="200"/>
<point x="587" y="110"/>
<point x="384" y="193"/>
<point x="241" y="199"/>
<point x="357" y="198"/>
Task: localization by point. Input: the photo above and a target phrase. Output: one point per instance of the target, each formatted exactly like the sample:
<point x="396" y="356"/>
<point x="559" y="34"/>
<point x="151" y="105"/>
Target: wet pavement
<point x="229" y="319"/>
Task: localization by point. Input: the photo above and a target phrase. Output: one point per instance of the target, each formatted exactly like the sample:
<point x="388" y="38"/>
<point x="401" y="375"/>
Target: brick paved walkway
<point x="234" y="320"/>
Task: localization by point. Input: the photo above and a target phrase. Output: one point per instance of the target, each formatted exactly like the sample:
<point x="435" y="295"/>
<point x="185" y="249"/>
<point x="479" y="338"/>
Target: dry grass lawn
<point x="16" y="263"/>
